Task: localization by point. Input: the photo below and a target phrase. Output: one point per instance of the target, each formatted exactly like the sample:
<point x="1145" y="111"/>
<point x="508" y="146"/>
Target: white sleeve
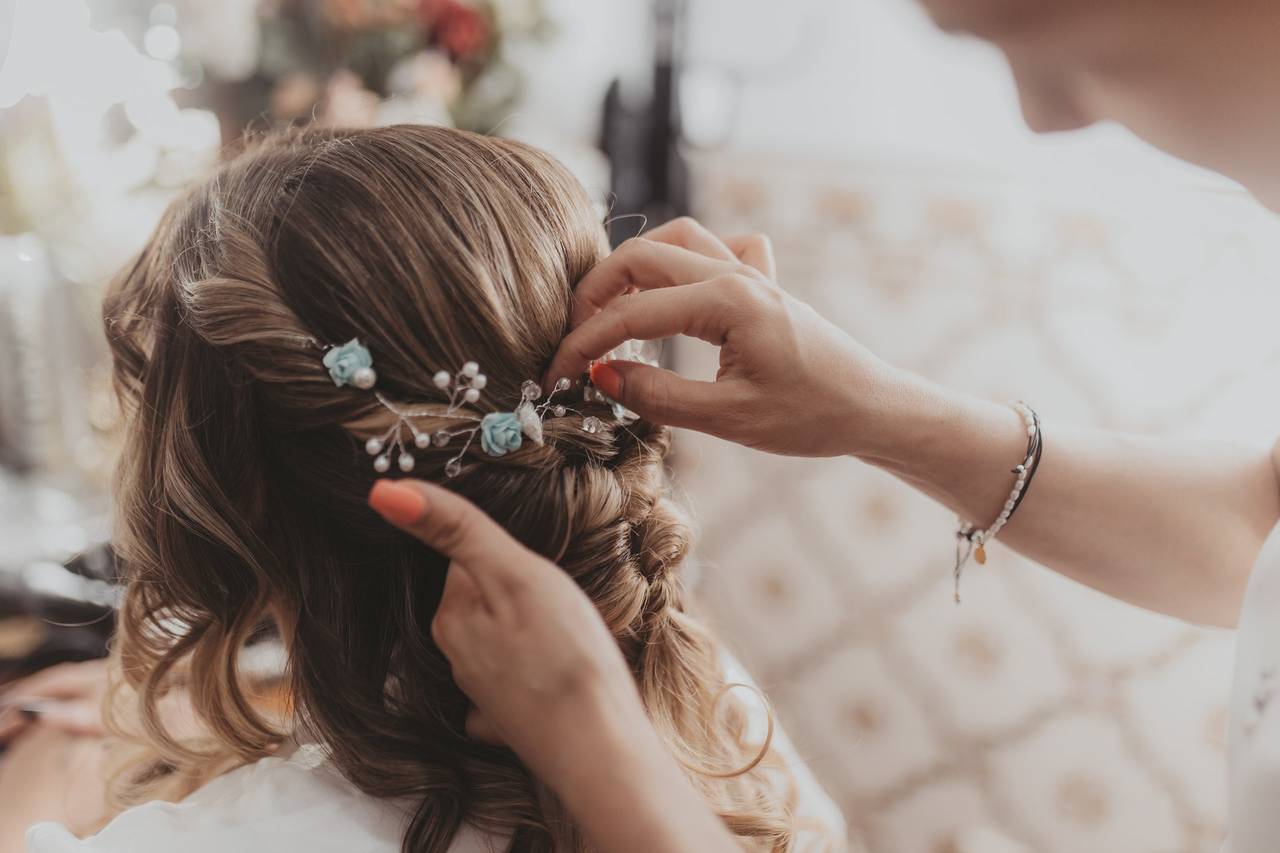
<point x="820" y="826"/>
<point x="276" y="804"/>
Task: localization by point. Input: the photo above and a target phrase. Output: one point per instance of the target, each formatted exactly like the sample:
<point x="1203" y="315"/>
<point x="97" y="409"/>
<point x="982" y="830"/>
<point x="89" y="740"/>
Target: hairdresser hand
<point x="548" y="680"/>
<point x="526" y="644"/>
<point x="789" y="381"/>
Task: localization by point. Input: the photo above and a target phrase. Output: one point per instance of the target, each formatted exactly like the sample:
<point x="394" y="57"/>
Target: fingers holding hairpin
<point x="662" y="396"/>
<point x="642" y="264"/>
<point x="756" y="251"/>
<point x="688" y="233"/>
<point x="707" y="310"/>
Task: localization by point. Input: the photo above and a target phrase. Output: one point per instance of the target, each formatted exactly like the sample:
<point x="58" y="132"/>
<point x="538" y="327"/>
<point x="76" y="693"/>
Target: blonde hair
<point x="241" y="488"/>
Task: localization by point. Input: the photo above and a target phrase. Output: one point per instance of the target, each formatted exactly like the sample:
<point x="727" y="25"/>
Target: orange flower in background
<point x="461" y="30"/>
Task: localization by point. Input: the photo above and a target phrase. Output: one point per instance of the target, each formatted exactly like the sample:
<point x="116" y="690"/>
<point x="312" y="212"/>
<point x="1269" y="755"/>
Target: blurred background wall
<point x="1088" y="274"/>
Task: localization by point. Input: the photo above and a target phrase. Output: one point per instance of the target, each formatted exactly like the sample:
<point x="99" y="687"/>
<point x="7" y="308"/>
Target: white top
<point x="1253" y="752"/>
<point x="300" y="802"/>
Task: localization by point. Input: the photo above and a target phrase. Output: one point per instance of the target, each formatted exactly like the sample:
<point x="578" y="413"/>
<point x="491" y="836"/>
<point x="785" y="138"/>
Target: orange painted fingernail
<point x="400" y="504"/>
<point x="606" y="379"/>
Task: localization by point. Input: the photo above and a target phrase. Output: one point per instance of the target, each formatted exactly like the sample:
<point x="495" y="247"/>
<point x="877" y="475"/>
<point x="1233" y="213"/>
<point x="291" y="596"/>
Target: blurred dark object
<point x="642" y="132"/>
<point x="52" y="612"/>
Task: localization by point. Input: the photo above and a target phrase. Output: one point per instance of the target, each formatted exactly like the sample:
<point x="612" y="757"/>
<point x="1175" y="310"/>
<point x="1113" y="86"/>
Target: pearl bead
<point x="373" y="446"/>
<point x="422" y="439"/>
<point x="406" y="462"/>
<point x="442" y="379"/>
<point x="364" y="378"/>
<point x="471" y="395"/>
<point x="480" y="381"/>
<point x="382" y="464"/>
<point x="1008" y="505"/>
<point x="471" y="370"/>
<point x="1031" y="431"/>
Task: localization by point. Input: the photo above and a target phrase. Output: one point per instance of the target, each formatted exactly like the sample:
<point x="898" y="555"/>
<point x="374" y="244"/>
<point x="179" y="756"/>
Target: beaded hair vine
<point x="499" y="432"/>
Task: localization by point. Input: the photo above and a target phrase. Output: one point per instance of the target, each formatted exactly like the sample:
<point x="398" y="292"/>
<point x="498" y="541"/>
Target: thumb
<point x="455" y="527"/>
<point x="479" y="728"/>
<point x="661" y="396"/>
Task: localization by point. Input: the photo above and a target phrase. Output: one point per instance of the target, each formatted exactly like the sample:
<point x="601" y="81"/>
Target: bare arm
<point x="1168" y="525"/>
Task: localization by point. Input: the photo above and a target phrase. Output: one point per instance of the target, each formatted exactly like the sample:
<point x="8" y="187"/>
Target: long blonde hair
<point x="241" y="487"/>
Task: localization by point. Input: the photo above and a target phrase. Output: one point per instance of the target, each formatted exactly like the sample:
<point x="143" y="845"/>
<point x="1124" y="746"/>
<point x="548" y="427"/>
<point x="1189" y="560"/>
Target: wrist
<point x="627" y="792"/>
<point x="954" y="447"/>
<point x="593" y="723"/>
<point x="899" y="417"/>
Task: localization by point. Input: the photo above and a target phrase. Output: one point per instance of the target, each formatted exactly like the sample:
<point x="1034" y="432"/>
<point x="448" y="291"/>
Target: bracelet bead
<point x="972" y="541"/>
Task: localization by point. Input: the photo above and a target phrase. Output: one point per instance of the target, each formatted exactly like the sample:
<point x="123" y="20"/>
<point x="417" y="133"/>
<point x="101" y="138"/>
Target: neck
<point x="1197" y="79"/>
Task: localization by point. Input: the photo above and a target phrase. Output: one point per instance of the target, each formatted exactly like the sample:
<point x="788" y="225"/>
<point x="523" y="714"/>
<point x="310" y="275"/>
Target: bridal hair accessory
<point x="499" y="433"/>
<point x="970" y="541"/>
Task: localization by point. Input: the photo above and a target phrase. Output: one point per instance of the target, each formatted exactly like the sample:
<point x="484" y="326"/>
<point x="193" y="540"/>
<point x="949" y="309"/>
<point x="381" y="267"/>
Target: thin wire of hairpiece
<point x="498" y="432"/>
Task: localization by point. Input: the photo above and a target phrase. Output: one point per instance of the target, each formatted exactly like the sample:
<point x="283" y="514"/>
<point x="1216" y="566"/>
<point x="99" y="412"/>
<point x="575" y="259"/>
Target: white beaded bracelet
<point x="970" y="541"/>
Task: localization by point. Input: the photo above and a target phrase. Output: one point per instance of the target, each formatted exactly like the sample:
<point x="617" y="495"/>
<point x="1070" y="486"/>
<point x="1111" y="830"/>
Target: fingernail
<point x="398" y="503"/>
<point x="606" y="379"/>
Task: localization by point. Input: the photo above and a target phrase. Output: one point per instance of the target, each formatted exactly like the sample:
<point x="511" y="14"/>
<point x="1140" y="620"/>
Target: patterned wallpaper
<point x="1039" y="715"/>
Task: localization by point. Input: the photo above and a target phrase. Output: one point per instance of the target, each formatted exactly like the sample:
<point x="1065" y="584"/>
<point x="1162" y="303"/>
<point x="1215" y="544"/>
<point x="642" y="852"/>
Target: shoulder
<point x="276" y="804"/>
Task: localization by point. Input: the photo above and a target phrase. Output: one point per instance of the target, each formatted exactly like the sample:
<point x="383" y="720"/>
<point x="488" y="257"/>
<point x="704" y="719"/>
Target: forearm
<point x="627" y="793"/>
<point x="1170" y="525"/>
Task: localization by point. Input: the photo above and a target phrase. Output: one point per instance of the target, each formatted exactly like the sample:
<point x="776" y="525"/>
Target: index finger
<point x="699" y="310"/>
<point x="642" y="264"/>
<point x="456" y="528"/>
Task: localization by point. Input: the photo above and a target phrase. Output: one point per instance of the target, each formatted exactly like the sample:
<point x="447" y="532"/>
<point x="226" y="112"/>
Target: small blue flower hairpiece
<point x="351" y="364"/>
<point x="500" y="433"/>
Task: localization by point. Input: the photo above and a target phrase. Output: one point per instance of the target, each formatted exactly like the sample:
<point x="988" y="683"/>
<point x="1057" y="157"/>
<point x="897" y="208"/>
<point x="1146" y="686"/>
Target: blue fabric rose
<point x="500" y="433"/>
<point x="346" y="361"/>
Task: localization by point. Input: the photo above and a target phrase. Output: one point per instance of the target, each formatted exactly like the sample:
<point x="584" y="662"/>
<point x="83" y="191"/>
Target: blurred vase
<point x="49" y="345"/>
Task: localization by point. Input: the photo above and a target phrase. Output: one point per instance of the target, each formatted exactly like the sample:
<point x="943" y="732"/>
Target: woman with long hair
<point x="324" y="296"/>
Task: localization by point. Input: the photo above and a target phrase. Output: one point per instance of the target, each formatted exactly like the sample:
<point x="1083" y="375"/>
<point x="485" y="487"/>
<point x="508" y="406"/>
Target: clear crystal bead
<point x="530" y="390"/>
<point x="623" y="415"/>
<point x="453" y="468"/>
<point x="562" y="384"/>
<point x="440" y="439"/>
<point x="591" y="424"/>
<point x="558" y="411"/>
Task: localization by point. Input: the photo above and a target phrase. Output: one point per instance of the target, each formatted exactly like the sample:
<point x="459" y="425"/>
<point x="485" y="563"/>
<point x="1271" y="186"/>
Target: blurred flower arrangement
<point x="107" y="108"/>
<point x="365" y="62"/>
